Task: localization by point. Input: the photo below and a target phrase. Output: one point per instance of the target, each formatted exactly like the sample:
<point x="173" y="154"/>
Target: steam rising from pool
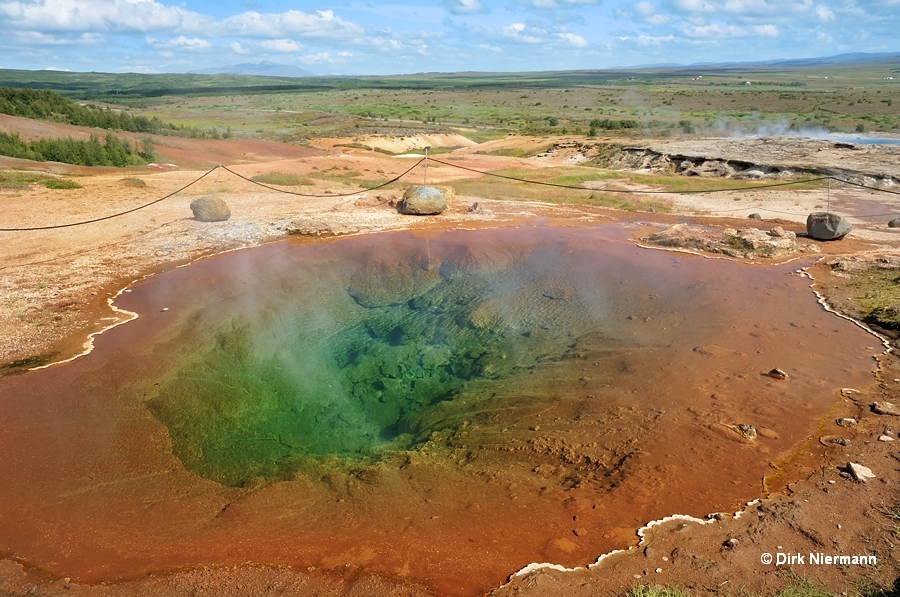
<point x="300" y="365"/>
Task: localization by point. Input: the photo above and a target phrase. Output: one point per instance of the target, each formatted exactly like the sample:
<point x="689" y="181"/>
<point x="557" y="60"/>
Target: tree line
<point x="112" y="151"/>
<point x="44" y="104"/>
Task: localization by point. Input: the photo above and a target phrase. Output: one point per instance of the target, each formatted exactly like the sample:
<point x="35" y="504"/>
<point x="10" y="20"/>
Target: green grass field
<point x="677" y="101"/>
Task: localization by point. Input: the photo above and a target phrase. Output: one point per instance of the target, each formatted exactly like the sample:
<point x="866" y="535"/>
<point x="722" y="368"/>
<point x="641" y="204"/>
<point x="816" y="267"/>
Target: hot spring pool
<point x="444" y="407"/>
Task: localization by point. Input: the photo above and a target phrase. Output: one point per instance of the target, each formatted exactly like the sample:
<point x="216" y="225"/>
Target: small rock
<point x="847" y="422"/>
<point x="777" y="232"/>
<point x="754" y="216"/>
<point x="886" y="408"/>
<point x="746" y="431"/>
<point x="834" y="440"/>
<point x="895" y="223"/>
<point x="210" y="209"/>
<point x="777" y="373"/>
<point x="859" y="472"/>
<point x="885" y="438"/>
<point x="580" y="531"/>
<point x="731" y="543"/>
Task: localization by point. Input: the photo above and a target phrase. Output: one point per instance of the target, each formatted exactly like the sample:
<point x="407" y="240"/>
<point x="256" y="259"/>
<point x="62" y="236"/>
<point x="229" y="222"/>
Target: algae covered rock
<point x="422" y="201"/>
<point x="210" y="209"/>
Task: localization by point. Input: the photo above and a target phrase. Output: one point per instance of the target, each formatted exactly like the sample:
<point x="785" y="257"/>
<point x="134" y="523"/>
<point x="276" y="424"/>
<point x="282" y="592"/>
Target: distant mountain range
<point x="839" y="59"/>
<point x="262" y="69"/>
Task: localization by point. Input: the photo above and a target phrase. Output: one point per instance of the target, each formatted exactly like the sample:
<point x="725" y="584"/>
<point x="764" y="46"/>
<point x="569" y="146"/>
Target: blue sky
<point x="356" y="37"/>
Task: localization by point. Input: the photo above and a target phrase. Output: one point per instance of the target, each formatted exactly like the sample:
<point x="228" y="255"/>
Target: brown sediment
<point x="561" y="468"/>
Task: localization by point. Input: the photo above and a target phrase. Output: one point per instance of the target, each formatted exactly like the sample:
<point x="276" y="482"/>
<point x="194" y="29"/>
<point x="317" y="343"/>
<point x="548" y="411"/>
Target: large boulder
<point x="822" y="225"/>
<point x="422" y="201"/>
<point x="210" y="209"/>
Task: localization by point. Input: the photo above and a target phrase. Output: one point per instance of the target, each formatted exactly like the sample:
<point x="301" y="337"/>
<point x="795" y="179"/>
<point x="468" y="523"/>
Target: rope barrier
<point x="483" y="173"/>
<point x="109" y="217"/>
<point x="265" y="186"/>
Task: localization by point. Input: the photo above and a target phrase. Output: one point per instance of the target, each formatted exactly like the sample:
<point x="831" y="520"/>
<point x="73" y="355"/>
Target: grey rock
<point x="834" y="440"/>
<point x="847" y="422"/>
<point x="886" y="408"/>
<point x="822" y="225"/>
<point x="210" y="209"/>
<point x="746" y="431"/>
<point x="422" y="201"/>
<point x="755" y="216"/>
<point x="777" y="373"/>
<point x="859" y="472"/>
<point x="895" y="223"/>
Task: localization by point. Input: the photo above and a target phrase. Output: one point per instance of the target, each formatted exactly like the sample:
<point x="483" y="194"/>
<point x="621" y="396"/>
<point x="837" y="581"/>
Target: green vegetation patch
<point x="112" y="151"/>
<point x="281" y="179"/>
<point x="17" y="181"/>
<point x="62" y="184"/>
<point x="134" y="183"/>
<point x="44" y="104"/>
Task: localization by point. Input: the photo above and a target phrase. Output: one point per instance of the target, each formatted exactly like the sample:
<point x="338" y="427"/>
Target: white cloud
<point x="514" y="32"/>
<point x="326" y="58"/>
<point x="649" y="40"/>
<point x="461" y="7"/>
<point x="575" y="40"/>
<point x="100" y="15"/>
<point x="237" y="48"/>
<point x="719" y="31"/>
<point x="556" y="3"/>
<point x="148" y="15"/>
<point x="181" y="42"/>
<point x="321" y="24"/>
<point x="282" y="45"/>
<point x="824" y="13"/>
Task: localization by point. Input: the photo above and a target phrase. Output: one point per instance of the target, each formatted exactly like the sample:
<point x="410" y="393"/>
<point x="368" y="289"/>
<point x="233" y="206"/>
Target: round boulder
<point x="895" y="223"/>
<point x="422" y="201"/>
<point x="210" y="209"/>
<point x="822" y="225"/>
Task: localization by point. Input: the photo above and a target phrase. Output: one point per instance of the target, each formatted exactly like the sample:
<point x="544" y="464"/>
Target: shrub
<point x="281" y="179"/>
<point x="61" y="184"/>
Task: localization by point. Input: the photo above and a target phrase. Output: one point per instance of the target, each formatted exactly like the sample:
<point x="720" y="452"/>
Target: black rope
<point x="154" y="202"/>
<point x="109" y="217"/>
<point x="483" y="173"/>
<point x="265" y="186"/>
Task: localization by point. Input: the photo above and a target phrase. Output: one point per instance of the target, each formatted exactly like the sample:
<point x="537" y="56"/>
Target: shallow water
<point x="445" y="407"/>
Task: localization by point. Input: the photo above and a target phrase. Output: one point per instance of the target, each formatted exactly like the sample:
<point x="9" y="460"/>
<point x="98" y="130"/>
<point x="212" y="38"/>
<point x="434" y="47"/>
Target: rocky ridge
<point x="775" y="159"/>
